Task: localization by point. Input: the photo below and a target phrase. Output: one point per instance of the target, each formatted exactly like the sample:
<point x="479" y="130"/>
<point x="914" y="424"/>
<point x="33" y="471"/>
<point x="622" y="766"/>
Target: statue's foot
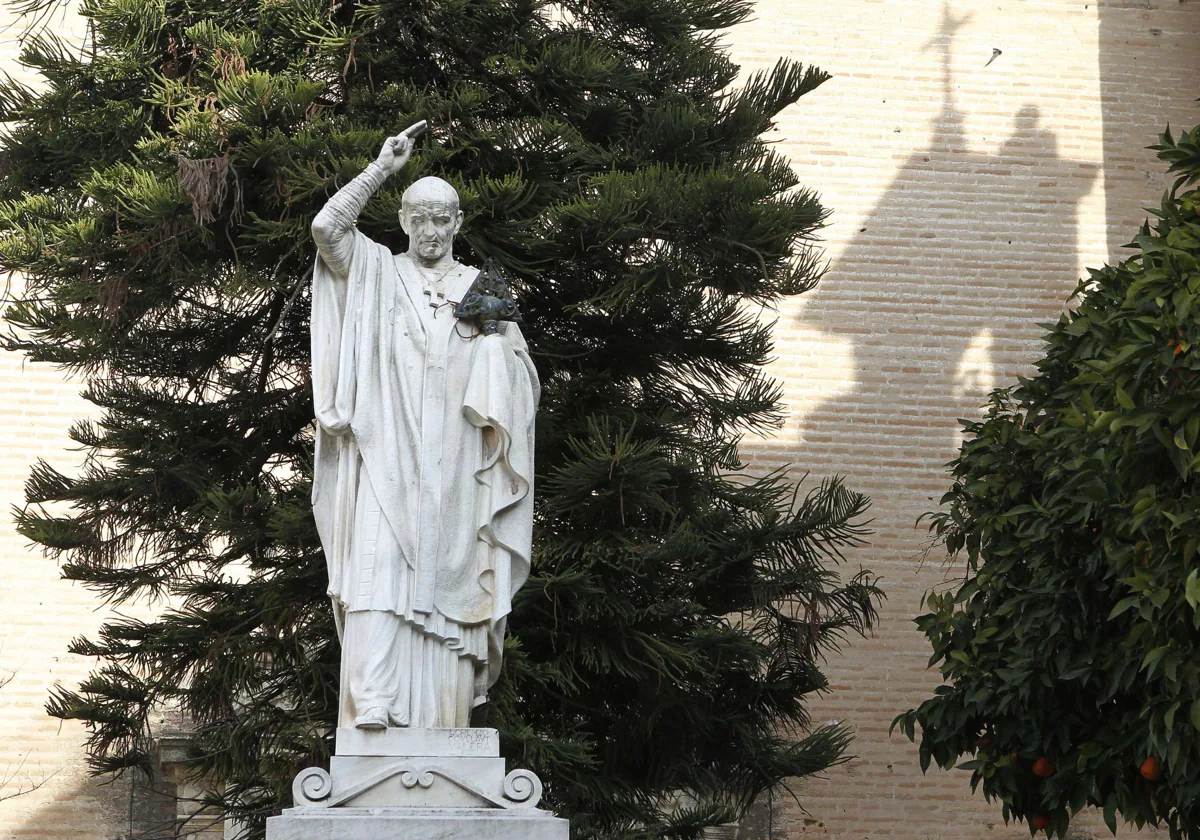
<point x="374" y="718"/>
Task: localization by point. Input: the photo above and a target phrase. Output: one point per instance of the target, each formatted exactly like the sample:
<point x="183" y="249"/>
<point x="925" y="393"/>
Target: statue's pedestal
<point x="415" y="824"/>
<point x="416" y="784"/>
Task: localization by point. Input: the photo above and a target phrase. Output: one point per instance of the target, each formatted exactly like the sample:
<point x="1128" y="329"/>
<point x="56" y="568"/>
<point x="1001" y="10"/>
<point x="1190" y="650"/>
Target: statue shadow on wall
<point x="967" y="251"/>
<point x="934" y="301"/>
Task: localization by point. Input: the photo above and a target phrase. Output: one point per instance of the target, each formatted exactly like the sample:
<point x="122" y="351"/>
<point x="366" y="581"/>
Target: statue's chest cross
<point x="435" y="286"/>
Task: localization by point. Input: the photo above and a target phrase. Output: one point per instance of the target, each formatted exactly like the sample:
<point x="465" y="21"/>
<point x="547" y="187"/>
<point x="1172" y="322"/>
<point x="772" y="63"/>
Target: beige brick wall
<point x="967" y="201"/>
<point x="39" y="613"/>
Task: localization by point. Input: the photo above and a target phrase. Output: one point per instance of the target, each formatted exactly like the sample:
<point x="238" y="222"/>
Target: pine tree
<point x="158" y="195"/>
<point x="1071" y="649"/>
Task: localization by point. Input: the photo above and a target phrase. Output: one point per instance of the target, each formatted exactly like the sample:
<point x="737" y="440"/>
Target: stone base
<point x="416" y="784"/>
<point x="411" y="743"/>
<point x="416" y="824"/>
<point x="384" y="782"/>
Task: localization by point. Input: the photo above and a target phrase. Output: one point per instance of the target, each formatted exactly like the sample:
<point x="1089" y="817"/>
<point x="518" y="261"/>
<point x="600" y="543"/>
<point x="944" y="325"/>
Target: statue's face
<point x="431" y="226"/>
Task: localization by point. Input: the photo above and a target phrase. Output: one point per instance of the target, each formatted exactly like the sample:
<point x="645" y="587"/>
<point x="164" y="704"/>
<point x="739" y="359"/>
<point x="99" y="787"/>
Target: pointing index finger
<point x="415" y="130"/>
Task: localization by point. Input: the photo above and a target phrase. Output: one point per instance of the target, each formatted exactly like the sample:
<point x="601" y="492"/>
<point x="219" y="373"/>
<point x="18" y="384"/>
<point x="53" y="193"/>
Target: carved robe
<point x="426" y="522"/>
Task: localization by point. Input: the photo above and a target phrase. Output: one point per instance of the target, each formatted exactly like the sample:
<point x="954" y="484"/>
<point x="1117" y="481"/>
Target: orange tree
<point x="1070" y="652"/>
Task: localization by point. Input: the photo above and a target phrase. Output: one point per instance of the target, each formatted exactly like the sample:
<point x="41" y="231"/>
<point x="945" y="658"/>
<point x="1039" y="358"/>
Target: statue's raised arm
<point x="333" y="226"/>
<point x="397" y="150"/>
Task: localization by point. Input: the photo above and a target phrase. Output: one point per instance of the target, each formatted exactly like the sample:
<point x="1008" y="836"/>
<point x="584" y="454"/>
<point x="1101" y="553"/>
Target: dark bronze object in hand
<point x="488" y="301"/>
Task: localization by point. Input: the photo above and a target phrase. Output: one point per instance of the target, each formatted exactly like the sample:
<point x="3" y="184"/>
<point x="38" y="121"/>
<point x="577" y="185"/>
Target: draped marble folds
<point x="423" y="478"/>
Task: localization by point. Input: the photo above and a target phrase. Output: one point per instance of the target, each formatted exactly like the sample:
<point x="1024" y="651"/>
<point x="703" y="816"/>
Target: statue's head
<point x="430" y="215"/>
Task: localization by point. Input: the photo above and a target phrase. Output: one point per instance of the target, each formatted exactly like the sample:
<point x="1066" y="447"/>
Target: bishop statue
<point x="423" y="483"/>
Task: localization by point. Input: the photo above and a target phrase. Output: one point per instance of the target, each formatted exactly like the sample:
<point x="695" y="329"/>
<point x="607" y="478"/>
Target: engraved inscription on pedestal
<point x="475" y="741"/>
<point x="418" y="742"/>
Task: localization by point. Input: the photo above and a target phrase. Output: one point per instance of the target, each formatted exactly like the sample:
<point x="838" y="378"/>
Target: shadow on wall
<point x="944" y="283"/>
<point x="935" y="300"/>
<point x="131" y="807"/>
<point x="1133" y="47"/>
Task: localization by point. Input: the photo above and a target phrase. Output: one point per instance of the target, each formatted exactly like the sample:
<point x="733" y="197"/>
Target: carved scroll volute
<point x="523" y="787"/>
<point x="312" y="787"/>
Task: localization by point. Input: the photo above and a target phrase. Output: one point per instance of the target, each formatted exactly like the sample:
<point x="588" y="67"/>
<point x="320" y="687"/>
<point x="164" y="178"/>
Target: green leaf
<point x="1121" y="606"/>
<point x="1181" y="439"/>
<point x="1169" y="717"/>
<point x="1191" y="589"/>
<point x="1077" y="327"/>
<point x="1152" y="658"/>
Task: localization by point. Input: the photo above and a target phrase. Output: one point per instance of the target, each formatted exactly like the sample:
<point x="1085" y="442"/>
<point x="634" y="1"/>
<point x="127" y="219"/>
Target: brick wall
<point x="967" y="201"/>
<point x="40" y="614"/>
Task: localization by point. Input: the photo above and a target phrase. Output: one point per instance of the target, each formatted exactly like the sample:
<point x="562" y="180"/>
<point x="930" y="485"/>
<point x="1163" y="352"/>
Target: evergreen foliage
<point x="1075" y="635"/>
<point x="158" y="195"/>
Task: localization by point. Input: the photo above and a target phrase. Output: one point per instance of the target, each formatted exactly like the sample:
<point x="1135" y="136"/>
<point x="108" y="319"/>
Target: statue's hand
<point x="397" y="150"/>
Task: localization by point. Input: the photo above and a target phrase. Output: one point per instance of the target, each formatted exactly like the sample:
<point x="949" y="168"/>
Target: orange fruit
<point x="1043" y="767"/>
<point x="1151" y="770"/>
<point x="1041" y="822"/>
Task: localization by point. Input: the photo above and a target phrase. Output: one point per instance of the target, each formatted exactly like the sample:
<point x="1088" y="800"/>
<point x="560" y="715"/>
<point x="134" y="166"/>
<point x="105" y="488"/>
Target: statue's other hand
<point x="397" y="150"/>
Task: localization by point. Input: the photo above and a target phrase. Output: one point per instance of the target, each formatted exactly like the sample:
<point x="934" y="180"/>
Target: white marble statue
<point x="423" y="484"/>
